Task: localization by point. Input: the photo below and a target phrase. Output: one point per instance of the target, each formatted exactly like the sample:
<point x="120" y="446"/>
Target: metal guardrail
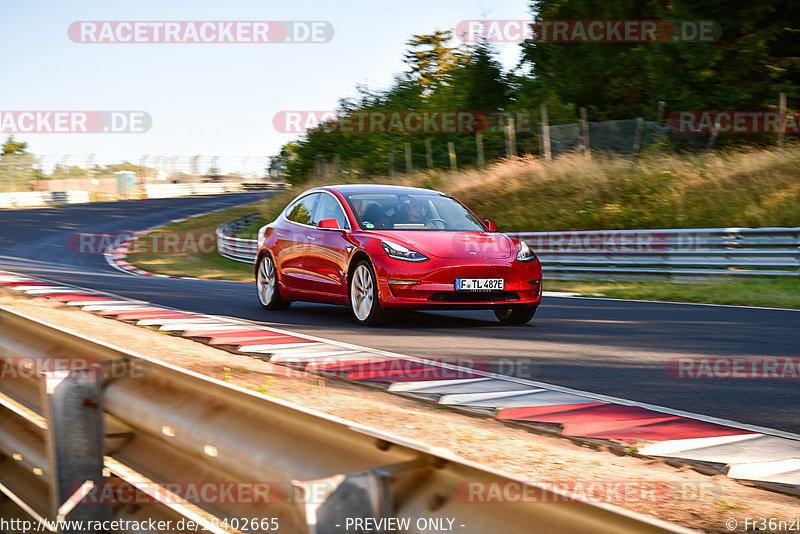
<point x="670" y="254"/>
<point x="236" y="248"/>
<point x="206" y="188"/>
<point x="42" y="198"/>
<point x="109" y="418"/>
<point x="262" y="186"/>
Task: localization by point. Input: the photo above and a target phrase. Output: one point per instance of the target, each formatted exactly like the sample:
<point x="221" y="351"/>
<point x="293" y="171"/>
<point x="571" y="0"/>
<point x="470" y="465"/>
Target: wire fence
<point x="533" y="136"/>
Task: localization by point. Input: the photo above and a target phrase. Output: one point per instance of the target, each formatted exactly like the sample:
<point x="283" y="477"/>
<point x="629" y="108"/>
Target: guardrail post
<point x="75" y="430"/>
<point x="333" y="503"/>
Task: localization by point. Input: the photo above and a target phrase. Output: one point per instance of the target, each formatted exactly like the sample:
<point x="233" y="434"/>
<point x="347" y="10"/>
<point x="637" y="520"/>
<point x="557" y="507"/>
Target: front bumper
<point x="436" y="283"/>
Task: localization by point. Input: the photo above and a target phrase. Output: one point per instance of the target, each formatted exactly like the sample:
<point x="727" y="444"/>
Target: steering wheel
<point x="435" y="223"/>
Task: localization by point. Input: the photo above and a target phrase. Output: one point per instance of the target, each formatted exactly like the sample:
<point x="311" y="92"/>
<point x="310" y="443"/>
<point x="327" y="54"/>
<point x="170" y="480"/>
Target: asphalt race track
<point x="610" y="347"/>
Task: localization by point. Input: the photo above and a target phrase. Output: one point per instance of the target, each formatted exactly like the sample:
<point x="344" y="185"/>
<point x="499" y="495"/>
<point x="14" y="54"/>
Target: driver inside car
<point x="410" y="212"/>
<point x="416" y="212"/>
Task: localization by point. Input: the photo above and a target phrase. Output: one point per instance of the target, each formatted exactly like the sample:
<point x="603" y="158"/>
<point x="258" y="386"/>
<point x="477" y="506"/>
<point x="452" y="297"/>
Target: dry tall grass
<point x="746" y="188"/>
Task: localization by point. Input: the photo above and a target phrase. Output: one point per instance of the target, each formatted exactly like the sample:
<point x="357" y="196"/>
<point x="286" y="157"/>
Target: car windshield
<point x="400" y="211"/>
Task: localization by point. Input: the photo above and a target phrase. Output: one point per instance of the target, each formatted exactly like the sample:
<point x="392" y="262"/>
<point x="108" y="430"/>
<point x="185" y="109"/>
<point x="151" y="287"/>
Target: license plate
<point x="480" y="284"/>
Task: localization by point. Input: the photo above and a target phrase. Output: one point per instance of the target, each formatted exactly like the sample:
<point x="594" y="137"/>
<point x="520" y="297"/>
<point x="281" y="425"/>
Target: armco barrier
<point x="669" y="254"/>
<point x="206" y="188"/>
<point x="125" y="421"/>
<point x="236" y="248"/>
<point x="180" y="190"/>
<point x="42" y="198"/>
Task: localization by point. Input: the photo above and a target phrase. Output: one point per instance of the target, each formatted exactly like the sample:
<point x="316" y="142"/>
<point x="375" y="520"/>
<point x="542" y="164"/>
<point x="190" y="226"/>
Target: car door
<point x="328" y="250"/>
<point x="291" y="256"/>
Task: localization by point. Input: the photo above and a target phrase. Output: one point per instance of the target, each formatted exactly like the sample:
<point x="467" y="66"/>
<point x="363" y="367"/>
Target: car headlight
<point x="525" y="253"/>
<point x="399" y="252"/>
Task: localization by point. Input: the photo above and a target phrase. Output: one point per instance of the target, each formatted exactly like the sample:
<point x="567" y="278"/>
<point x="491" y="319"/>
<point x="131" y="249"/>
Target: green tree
<point x="432" y="60"/>
<point x="15" y="148"/>
<point x="17" y="170"/>
<point x="756" y="56"/>
<point x="479" y="82"/>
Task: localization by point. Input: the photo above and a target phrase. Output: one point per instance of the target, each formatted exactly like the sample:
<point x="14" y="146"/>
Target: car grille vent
<point x="476" y="296"/>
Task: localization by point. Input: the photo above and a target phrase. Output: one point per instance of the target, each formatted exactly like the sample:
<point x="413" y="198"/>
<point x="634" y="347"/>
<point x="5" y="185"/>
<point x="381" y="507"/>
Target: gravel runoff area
<point x="683" y="495"/>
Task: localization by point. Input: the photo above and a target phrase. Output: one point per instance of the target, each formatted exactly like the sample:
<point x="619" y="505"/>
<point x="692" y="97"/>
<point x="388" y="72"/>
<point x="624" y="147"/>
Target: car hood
<point x="453" y="245"/>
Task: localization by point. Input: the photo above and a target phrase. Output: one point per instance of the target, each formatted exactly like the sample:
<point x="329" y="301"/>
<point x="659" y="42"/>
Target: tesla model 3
<point x="379" y="248"/>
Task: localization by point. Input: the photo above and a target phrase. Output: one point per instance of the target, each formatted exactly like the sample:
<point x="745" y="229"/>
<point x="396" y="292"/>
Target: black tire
<point x="269" y="296"/>
<point x="515" y="315"/>
<point x="363" y="293"/>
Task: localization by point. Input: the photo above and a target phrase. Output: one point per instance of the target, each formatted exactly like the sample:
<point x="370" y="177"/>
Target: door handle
<point x="281" y="234"/>
<point x="311" y="238"/>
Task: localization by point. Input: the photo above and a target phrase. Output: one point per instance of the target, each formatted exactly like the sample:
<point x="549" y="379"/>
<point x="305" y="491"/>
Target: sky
<point x="209" y="98"/>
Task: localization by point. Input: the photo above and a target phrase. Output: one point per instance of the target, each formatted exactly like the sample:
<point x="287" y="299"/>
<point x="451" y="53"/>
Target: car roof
<point x="366" y="189"/>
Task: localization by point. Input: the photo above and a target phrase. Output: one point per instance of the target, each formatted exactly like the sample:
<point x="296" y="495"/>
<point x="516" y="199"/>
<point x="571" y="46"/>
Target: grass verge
<point x="778" y="292"/>
<point x="186" y="261"/>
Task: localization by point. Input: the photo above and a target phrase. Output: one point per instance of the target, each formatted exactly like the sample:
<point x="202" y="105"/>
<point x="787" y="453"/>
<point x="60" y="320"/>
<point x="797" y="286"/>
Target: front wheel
<point x="364" y="296"/>
<point x="267" y="285"/>
<point x="513" y="315"/>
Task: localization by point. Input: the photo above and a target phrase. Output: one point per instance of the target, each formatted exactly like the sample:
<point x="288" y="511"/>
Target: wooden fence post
<point x="545" y="133"/>
<point x="391" y="159"/>
<point x="659" y="118"/>
<point x="408" y="158"/>
<point x="451" y="149"/>
<point x="511" y="138"/>
<point x="637" y="138"/>
<point x="584" y="146"/>
<point x="781" y="118"/>
<point x="714" y="133"/>
<point x="428" y="153"/>
<point x="479" y="146"/>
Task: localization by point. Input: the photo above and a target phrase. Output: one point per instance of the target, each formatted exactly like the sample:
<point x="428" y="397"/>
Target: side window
<point x="300" y="211"/>
<point x="329" y="208"/>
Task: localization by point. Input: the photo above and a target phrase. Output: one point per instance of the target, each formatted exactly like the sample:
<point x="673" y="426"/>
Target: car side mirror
<point x="329" y="224"/>
<point x="490" y="225"/>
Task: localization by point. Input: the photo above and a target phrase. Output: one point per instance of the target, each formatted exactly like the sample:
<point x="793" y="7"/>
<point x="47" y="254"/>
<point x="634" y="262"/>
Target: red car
<point x="379" y="248"/>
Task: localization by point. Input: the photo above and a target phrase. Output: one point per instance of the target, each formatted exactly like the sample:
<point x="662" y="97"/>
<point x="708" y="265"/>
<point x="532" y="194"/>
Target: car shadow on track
<point x="308" y="314"/>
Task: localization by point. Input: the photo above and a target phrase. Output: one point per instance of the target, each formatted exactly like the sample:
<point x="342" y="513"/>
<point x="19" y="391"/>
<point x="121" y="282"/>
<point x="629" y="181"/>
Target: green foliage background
<point x="756" y="56"/>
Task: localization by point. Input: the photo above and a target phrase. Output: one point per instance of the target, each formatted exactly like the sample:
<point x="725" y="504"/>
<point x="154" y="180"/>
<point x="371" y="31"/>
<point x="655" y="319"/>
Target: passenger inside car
<point x="374" y="217"/>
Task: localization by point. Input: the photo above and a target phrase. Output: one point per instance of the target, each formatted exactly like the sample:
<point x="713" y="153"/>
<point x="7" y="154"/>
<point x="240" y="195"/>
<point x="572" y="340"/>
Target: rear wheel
<point x="267" y="285"/>
<point x="364" y="296"/>
<point x="514" y="315"/>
